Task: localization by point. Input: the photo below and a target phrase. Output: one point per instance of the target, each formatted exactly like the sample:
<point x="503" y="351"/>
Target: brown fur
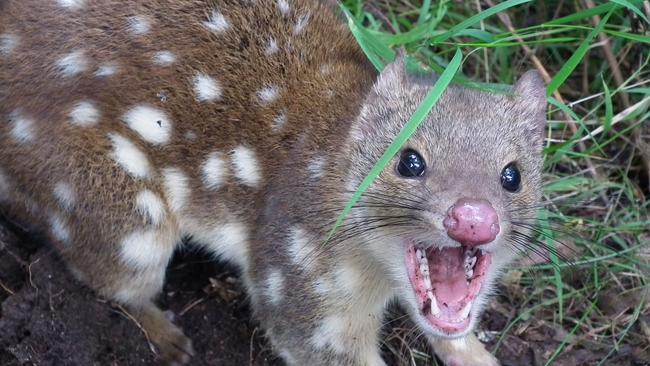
<point x="328" y="93"/>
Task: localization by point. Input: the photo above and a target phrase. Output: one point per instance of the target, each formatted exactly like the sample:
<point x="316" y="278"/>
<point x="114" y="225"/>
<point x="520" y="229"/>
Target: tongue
<point x="447" y="272"/>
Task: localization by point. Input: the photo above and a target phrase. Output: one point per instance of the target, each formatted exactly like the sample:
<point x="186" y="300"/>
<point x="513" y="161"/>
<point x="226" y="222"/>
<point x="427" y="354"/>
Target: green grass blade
<point x="609" y="109"/>
<point x="633" y="8"/>
<point x="409" y="128"/>
<point x="577" y="56"/>
<point x="552" y="252"/>
<point x="377" y="52"/>
<point x="476" y="19"/>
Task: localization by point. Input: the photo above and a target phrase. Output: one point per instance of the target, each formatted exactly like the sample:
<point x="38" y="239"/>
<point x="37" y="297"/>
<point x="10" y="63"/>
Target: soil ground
<point x="48" y="318"/>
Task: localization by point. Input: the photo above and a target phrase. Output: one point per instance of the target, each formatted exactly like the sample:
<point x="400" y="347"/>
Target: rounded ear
<point x="530" y="93"/>
<point x="392" y="76"/>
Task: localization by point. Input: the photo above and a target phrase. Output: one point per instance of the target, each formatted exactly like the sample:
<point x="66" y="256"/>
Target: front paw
<point x="468" y="351"/>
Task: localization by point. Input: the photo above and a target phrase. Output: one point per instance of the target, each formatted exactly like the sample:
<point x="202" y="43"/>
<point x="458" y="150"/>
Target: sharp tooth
<point x="427" y="282"/>
<point x="469" y="274"/>
<point x="430" y="294"/>
<point x="418" y="253"/>
<point x="465" y="312"/>
<point x="472" y="262"/>
<point x="435" y="310"/>
<point x="424" y="269"/>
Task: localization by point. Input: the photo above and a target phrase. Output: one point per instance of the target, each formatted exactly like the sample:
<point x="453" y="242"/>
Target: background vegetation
<point x="581" y="296"/>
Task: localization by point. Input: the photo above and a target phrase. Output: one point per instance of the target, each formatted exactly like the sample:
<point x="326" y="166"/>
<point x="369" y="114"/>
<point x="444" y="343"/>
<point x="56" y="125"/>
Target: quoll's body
<point x="246" y="126"/>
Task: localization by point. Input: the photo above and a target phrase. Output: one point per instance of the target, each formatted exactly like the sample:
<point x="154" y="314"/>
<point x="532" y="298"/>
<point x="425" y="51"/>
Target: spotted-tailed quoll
<point x="245" y="126"/>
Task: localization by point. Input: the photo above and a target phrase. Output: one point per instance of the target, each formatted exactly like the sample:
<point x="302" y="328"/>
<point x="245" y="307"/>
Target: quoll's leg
<point x="467" y="351"/>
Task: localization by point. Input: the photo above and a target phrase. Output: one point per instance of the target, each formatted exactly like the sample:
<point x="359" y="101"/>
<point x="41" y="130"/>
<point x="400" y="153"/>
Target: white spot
<point x="268" y="94"/>
<point x="283" y="5"/>
<point x="138" y="24"/>
<point x="64" y="194"/>
<point x="348" y="278"/>
<point x="72" y="64"/>
<point x="59" y="229"/>
<point x="330" y="334"/>
<point x="142" y="249"/>
<point x="152" y="124"/>
<point x="275" y="286"/>
<point x="105" y="70"/>
<point x="315" y="167"/>
<point x="214" y="171"/>
<point x="71" y="4"/>
<point x="127" y="154"/>
<point x="300" y="25"/>
<point x="8" y="43"/>
<point x="271" y="47"/>
<point x="245" y="166"/>
<point x="326" y="69"/>
<point x="216" y="22"/>
<point x="150" y="206"/>
<point x="329" y="93"/>
<point x="164" y="58"/>
<point x="84" y="114"/>
<point x="190" y="135"/>
<point x="323" y="286"/>
<point x="206" y="88"/>
<point x="278" y="122"/>
<point x="230" y="241"/>
<point x="4" y="186"/>
<point x="177" y="188"/>
<point x="301" y="251"/>
<point x="22" y="129"/>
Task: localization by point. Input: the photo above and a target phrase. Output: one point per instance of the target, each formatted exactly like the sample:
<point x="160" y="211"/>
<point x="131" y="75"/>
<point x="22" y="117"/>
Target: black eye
<point x="510" y="178"/>
<point x="411" y="164"/>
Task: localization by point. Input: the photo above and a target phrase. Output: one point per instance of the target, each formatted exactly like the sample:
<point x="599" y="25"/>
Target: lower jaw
<point x="455" y="325"/>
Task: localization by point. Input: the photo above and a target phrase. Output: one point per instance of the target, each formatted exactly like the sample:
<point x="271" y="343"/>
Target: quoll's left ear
<point x="530" y="93"/>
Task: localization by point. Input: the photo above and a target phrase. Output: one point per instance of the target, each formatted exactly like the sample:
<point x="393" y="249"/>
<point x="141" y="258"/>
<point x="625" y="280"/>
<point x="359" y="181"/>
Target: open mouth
<point x="446" y="282"/>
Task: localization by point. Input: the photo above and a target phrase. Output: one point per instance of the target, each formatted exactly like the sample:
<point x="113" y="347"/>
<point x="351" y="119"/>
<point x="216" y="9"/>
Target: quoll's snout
<point x="472" y="222"/>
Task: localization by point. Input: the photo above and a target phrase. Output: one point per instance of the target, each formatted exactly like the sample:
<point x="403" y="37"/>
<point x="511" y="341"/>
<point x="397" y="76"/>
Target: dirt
<point x="48" y="318"/>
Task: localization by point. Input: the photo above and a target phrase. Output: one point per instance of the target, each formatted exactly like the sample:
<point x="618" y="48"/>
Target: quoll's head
<point x="457" y="204"/>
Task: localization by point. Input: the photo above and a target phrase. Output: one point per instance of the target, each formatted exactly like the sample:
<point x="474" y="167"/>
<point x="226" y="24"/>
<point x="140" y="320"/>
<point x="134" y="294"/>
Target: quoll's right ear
<point x="530" y="93"/>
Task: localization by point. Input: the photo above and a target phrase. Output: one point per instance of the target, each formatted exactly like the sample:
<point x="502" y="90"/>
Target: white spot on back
<point x="326" y="69"/>
<point x="206" y="88"/>
<point x="268" y="94"/>
<point x="216" y="22"/>
<point x="128" y="155"/>
<point x="213" y="170"/>
<point x="164" y="58"/>
<point x="278" y="122"/>
<point x="323" y="286"/>
<point x="330" y="334"/>
<point x="177" y="188"/>
<point x="22" y="128"/>
<point x="143" y="249"/>
<point x="245" y="166"/>
<point x="150" y="206"/>
<point x="300" y="25"/>
<point x="271" y="47"/>
<point x="283" y="5"/>
<point x="288" y="357"/>
<point x="274" y="286"/>
<point x="72" y="64"/>
<point x="59" y="228"/>
<point x="190" y="135"/>
<point x="65" y="195"/>
<point x="84" y="114"/>
<point x="8" y="43"/>
<point x="138" y="25"/>
<point x="105" y="70"/>
<point x="301" y="252"/>
<point x="4" y="186"/>
<point x="315" y="167"/>
<point x="230" y="241"/>
<point x="71" y="4"/>
<point x="348" y="278"/>
<point x="151" y="123"/>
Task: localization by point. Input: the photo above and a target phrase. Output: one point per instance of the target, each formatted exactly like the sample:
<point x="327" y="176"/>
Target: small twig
<point x="122" y="311"/>
<point x="29" y="271"/>
<point x="250" y="355"/>
<point x="7" y="289"/>
<point x="191" y="305"/>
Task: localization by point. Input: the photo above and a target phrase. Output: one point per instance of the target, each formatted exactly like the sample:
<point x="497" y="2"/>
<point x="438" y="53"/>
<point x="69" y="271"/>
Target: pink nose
<point x="472" y="222"/>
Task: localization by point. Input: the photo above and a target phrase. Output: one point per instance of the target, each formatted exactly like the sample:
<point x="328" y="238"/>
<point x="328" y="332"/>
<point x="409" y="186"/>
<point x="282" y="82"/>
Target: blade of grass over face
<point x="409" y="128"/>
<point x="577" y="56"/>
